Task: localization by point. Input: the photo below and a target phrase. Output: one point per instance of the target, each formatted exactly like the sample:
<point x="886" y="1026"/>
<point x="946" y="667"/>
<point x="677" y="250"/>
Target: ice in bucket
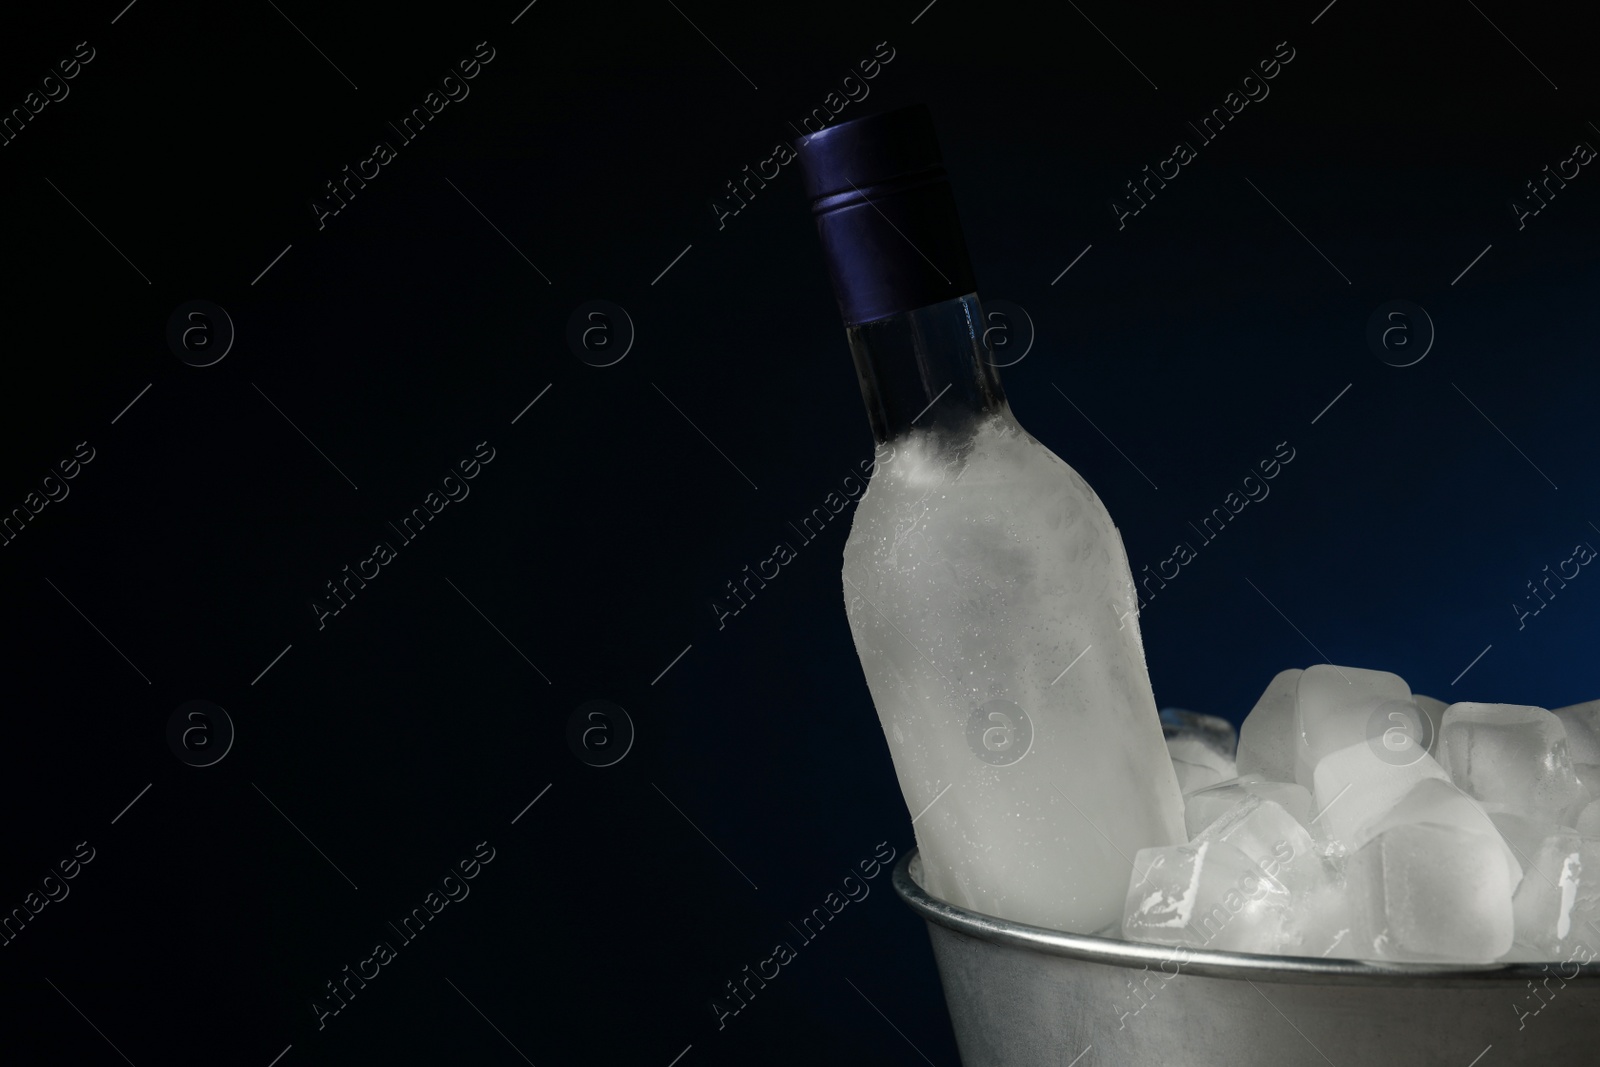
<point x="1487" y="852"/>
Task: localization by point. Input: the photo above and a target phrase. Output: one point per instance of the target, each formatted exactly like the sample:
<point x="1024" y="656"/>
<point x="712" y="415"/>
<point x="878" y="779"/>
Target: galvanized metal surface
<point x="1022" y="996"/>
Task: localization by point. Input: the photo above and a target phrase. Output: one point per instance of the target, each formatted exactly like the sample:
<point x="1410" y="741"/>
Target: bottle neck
<point x="926" y="368"/>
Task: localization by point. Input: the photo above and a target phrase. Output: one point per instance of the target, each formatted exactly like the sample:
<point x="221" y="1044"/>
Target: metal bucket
<point x="1024" y="996"/>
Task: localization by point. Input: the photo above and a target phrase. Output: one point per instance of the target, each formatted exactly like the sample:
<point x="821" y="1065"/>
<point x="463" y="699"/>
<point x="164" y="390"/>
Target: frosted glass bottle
<point x="987" y="589"/>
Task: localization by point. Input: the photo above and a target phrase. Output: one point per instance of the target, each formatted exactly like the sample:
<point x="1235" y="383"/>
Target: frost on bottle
<point x="987" y="589"/>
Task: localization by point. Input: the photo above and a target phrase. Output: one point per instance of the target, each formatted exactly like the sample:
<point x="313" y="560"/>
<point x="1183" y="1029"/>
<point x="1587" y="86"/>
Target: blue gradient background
<point x="1196" y="338"/>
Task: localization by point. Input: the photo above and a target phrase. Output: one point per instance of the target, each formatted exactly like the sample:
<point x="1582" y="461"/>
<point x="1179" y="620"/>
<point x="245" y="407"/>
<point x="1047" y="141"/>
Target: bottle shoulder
<point x="995" y="455"/>
<point x="999" y="495"/>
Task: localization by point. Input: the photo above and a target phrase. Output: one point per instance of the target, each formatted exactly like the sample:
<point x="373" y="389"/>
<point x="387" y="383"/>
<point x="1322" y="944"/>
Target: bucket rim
<point x="1214" y="963"/>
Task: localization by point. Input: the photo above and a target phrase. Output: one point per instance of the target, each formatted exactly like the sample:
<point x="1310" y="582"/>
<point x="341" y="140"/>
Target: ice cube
<point x="1512" y="757"/>
<point x="1198" y="763"/>
<point x="1338" y="706"/>
<point x="1434" y="710"/>
<point x="1272" y="839"/>
<point x="1267" y="736"/>
<point x="1217" y="733"/>
<point x="1163" y="891"/>
<point x="1588" y="821"/>
<point x="1522" y="835"/>
<point x="1355" y="786"/>
<point x="1421" y="892"/>
<point x="1203" y="806"/>
<point x="1582" y="724"/>
<point x="1196" y="776"/>
<point x="1294" y="798"/>
<point x="1193" y="750"/>
<point x="1557" y="907"/>
<point x="1439" y="801"/>
<point x="1321" y="924"/>
<point x="1208" y="895"/>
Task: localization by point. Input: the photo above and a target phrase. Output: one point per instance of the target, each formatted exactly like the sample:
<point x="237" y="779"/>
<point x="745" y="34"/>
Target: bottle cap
<point x="885" y="214"/>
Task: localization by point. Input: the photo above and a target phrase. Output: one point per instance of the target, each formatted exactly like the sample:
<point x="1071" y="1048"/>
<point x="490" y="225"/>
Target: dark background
<point x="414" y="325"/>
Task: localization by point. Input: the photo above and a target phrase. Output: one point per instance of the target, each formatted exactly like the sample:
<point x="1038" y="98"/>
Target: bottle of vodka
<point x="987" y="588"/>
